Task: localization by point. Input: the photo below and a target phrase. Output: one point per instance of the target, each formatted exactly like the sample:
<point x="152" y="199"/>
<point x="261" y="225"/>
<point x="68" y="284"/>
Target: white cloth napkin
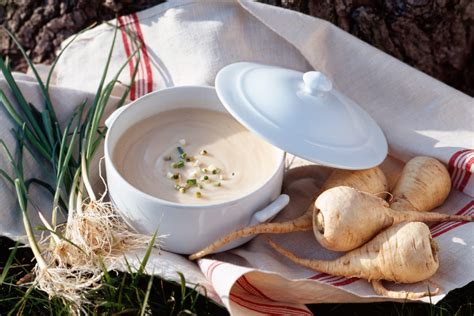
<point x="188" y="42"/>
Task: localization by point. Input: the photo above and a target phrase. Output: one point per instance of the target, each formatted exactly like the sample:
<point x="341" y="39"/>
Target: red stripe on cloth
<point x="448" y="229"/>
<point x="140" y="77"/>
<point x="319" y="276"/>
<point x="146" y="58"/>
<point x="253" y="288"/>
<point x="453" y="169"/>
<point x="346" y="282"/>
<point x="467" y="175"/>
<point x="268" y="309"/>
<point x="455" y="166"/>
<point x="451" y="226"/>
<point x="458" y="171"/>
<point x="333" y="280"/>
<point x="453" y="159"/>
<point x="326" y="278"/>
<point x="211" y="271"/>
<point x="444" y="225"/>
<point x="209" y="268"/>
<point x="462" y="211"/>
<point x="245" y="287"/>
<point x="128" y="53"/>
<point x="139" y="81"/>
<point x="439" y="229"/>
<point x="462" y="170"/>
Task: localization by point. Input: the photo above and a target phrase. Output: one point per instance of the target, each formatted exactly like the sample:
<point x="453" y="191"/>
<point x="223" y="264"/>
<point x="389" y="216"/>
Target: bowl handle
<point x="270" y="210"/>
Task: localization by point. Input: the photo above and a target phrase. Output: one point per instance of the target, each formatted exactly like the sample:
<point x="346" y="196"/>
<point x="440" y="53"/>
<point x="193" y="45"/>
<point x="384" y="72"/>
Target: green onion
<point x="205" y="178"/>
<point x="203" y="152"/>
<point x="191" y="182"/>
<point x="216" y="171"/>
<point x="198" y="194"/>
<point x="179" y="164"/>
<point x="167" y="158"/>
<point x="181" y="152"/>
<point x="217" y="184"/>
<point x="180" y="188"/>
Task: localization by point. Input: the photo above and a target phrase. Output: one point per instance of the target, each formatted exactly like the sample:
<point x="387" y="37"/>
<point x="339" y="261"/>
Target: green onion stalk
<point x="68" y="260"/>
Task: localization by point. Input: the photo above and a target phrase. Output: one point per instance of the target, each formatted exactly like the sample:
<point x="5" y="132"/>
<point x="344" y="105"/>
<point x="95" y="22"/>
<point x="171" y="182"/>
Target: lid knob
<point x="316" y="82"/>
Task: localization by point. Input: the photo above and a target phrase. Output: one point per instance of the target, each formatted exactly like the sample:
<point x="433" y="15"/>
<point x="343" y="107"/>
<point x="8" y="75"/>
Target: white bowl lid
<point x="302" y="114"/>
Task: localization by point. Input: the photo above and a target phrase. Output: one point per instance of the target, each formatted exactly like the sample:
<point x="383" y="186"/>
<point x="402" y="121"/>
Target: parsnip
<point x="424" y="184"/>
<point x="403" y="253"/>
<point x="371" y="180"/>
<point x="345" y="218"/>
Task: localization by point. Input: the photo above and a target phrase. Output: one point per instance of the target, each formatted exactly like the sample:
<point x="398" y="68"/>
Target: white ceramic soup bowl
<point x="189" y="228"/>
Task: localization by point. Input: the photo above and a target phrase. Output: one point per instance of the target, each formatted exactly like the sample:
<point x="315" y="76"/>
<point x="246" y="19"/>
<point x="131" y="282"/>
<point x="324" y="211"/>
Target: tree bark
<point x="40" y="26"/>
<point x="434" y="36"/>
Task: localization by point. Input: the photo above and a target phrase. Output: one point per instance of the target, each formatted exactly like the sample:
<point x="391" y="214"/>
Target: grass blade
<point x="8" y="264"/>
<point x="145" y="259"/>
<point x="147" y="296"/>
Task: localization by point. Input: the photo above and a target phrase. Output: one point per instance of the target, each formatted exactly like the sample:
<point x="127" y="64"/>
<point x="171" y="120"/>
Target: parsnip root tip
<point x="302" y="223"/>
<point x="196" y="255"/>
<point x="283" y="251"/>
<point x="380" y="289"/>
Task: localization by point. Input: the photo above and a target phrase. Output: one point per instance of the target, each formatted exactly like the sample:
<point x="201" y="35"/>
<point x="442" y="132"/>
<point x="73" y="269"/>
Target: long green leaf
<point x="46" y="186"/>
<point x="102" y="103"/>
<point x="132" y="80"/>
<point x="11" y="160"/>
<point x="48" y="127"/>
<point x="54" y="63"/>
<point x="44" y="91"/>
<point x="61" y="176"/>
<point x="21" y="194"/>
<point x="5" y="175"/>
<point x="64" y="137"/>
<point x="24" y="106"/>
<point x="31" y="136"/>
<point x="106" y="68"/>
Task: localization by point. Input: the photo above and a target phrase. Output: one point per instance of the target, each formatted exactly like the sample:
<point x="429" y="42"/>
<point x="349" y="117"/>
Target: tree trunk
<point x="434" y="36"/>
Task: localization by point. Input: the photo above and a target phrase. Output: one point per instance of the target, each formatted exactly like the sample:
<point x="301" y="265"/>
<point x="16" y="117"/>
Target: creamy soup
<point x="194" y="156"/>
